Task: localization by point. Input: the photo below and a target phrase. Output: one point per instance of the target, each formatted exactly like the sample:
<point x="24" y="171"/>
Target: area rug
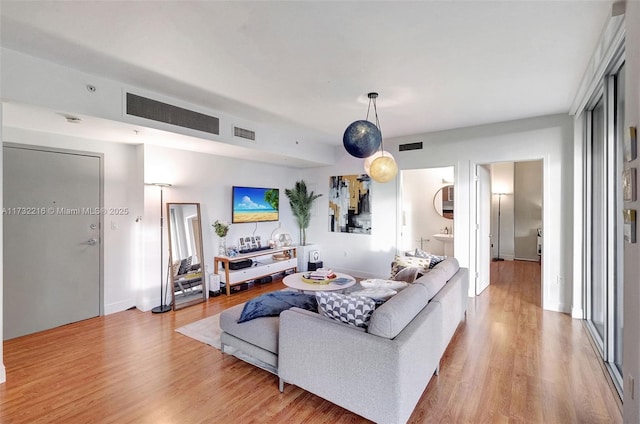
<point x="207" y="331"/>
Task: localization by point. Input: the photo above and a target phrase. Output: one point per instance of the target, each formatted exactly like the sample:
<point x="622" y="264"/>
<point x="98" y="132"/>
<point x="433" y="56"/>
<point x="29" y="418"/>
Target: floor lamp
<point x="162" y="308"/>
<point x="498" y="258"/>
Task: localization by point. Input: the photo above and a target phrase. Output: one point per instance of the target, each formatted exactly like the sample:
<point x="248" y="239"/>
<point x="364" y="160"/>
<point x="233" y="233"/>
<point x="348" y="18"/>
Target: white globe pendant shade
<point x="368" y="161"/>
<point x="383" y="169"/>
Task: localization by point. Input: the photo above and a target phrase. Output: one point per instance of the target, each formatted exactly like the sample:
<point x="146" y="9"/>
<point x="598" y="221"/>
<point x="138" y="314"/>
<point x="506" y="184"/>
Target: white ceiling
<point x="436" y="64"/>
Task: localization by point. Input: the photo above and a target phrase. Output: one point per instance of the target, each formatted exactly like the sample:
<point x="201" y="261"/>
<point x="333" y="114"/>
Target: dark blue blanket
<point x="271" y="304"/>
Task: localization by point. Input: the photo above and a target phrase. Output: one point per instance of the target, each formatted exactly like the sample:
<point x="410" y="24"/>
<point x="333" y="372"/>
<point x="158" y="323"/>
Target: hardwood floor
<point x="510" y="361"/>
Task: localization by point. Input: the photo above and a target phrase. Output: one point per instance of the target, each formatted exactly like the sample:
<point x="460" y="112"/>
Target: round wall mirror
<point x="443" y="202"/>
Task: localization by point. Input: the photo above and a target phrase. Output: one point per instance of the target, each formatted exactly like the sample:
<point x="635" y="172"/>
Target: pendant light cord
<point x="375" y="111"/>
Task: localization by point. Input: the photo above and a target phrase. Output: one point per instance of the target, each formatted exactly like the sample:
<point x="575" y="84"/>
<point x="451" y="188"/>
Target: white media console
<point x="263" y="265"/>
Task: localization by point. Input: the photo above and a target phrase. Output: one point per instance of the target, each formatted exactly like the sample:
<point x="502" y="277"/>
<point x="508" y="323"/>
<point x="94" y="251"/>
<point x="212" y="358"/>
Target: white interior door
<point x="52" y="222"/>
<point x="483" y="224"/>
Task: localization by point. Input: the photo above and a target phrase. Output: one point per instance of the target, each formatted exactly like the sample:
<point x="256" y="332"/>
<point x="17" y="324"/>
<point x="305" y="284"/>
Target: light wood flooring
<point x="509" y="362"/>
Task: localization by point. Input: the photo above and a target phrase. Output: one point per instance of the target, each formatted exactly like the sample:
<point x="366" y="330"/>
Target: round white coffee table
<point x="295" y="281"/>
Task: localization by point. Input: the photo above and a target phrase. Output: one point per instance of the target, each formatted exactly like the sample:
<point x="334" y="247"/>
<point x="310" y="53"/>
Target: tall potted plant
<point x="301" y="202"/>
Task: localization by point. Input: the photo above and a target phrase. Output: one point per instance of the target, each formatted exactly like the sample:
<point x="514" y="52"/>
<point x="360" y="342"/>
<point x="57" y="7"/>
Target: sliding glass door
<point x="597" y="236"/>
<point x="603" y="218"/>
<point x="617" y="288"/>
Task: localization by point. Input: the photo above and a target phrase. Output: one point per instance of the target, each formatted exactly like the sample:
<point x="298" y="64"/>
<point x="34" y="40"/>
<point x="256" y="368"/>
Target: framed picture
<point x="629" y="225"/>
<point x="350" y="204"/>
<point x="631" y="145"/>
<point x="629" y="179"/>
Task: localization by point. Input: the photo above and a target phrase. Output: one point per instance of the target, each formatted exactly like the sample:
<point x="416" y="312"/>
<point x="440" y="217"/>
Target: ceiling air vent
<point x="243" y="133"/>
<point x="411" y="146"/>
<point x="170" y="114"/>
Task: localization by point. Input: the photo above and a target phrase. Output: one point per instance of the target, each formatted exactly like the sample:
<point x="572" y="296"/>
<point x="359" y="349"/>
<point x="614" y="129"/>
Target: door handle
<point x="92" y="241"/>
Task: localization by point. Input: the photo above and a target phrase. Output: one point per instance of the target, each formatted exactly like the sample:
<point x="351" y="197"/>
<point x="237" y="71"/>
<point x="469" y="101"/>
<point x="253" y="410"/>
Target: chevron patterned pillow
<point x="353" y="310"/>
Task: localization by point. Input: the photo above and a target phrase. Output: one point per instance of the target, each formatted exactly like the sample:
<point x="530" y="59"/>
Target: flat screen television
<point x="254" y="204"/>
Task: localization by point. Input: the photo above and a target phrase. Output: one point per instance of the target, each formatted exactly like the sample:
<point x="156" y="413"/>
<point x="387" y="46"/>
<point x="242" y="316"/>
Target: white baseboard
<point x="528" y="259"/>
<point x="558" y="307"/>
<point x="120" y="306"/>
<point x="3" y="374"/>
<point x="577" y="313"/>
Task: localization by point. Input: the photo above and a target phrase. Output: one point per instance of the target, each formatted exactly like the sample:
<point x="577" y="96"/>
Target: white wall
<point x="527" y="209"/>
<point x="549" y="138"/>
<point x="120" y="190"/>
<point x="205" y="179"/>
<point x="357" y="254"/>
<point x="631" y="335"/>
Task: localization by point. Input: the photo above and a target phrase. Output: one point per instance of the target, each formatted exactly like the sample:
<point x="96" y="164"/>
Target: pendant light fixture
<point x="368" y="161"/>
<point x="364" y="140"/>
<point x="383" y="169"/>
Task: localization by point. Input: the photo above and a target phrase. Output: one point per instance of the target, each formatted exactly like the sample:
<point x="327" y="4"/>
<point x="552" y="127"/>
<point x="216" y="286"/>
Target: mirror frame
<point x="171" y="277"/>
<point x="440" y="210"/>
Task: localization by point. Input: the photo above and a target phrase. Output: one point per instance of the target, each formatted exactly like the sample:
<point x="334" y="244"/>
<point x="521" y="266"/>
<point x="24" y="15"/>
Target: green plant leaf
<point x="301" y="202"/>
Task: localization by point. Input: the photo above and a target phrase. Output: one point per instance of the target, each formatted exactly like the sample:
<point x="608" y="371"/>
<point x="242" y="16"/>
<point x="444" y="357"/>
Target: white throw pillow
<point x="378" y="283"/>
<point x="376" y="293"/>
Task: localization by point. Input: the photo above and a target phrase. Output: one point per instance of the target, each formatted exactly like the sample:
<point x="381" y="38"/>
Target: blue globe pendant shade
<point x="361" y="139"/>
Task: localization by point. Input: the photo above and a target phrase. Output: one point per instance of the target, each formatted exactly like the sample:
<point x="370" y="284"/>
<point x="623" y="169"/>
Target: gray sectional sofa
<point x="379" y="372"/>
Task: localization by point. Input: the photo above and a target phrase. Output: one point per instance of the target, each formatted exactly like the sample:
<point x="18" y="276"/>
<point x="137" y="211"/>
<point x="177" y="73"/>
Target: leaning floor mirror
<point x="186" y="271"/>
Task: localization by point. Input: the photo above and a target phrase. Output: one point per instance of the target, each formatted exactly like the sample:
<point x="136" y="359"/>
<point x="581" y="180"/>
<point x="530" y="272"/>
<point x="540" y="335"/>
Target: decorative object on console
<point x="314" y="262"/>
<point x="282" y="256"/>
<point x="250" y="244"/>
<point x="312" y="266"/>
<point x="314" y="256"/>
<point x="163" y="306"/>
<point x="301" y="202"/>
<point x="350" y="204"/>
<point x="221" y="228"/>
<point x="281" y="237"/>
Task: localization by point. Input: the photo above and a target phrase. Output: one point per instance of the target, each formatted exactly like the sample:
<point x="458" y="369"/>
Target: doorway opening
<point x="509" y="211"/>
<point x="428" y="209"/>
